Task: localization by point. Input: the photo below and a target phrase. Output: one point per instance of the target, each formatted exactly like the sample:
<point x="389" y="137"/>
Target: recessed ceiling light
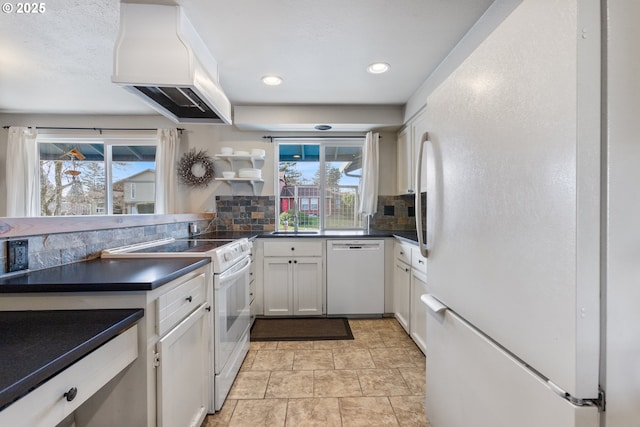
<point x="271" y="80"/>
<point x="378" y="68"/>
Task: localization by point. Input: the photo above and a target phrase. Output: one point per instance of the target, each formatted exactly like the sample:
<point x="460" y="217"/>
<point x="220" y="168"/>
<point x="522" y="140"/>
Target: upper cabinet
<point x="408" y="146"/>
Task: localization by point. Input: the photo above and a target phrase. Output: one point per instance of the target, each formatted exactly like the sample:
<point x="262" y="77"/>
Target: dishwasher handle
<point x="362" y="246"/>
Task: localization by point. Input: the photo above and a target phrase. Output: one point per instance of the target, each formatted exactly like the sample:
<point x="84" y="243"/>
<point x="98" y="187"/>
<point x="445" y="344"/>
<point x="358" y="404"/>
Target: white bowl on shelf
<point x="228" y="175"/>
<point x="226" y="151"/>
<point x="250" y="173"/>
<point x="258" y="152"/>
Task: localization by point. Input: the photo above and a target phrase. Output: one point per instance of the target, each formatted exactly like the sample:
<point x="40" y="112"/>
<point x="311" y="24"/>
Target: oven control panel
<point x="231" y="253"/>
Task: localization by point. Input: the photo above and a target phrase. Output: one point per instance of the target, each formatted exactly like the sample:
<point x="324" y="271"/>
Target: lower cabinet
<point x="182" y="366"/>
<point x="168" y="383"/>
<point x="48" y="404"/>
<point x="418" y="329"/>
<point x="293" y="286"/>
<point x="402" y="294"/>
<point x="409" y="284"/>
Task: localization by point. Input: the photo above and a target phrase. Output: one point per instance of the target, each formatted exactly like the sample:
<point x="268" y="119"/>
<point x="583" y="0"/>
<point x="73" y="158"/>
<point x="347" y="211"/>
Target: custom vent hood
<point x="159" y="57"/>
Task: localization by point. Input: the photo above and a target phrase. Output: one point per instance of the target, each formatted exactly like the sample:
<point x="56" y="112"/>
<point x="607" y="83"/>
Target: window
<point x="319" y="185"/>
<point x="88" y="176"/>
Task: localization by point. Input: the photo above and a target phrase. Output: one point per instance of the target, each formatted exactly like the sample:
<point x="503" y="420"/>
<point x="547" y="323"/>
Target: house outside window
<point x="96" y="176"/>
<point x="319" y="184"/>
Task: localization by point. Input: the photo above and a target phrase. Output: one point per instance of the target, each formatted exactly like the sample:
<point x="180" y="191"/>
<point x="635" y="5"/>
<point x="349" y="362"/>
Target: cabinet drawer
<point x="47" y="406"/>
<point x="179" y="302"/>
<point x="293" y="248"/>
<point x="418" y="261"/>
<point x="403" y="252"/>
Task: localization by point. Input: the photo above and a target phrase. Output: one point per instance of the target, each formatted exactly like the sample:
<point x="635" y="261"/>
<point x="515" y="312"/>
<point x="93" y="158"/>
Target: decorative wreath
<point x="195" y="168"/>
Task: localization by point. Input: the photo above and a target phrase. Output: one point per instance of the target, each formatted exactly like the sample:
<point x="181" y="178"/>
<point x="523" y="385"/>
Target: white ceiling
<point x="60" y="61"/>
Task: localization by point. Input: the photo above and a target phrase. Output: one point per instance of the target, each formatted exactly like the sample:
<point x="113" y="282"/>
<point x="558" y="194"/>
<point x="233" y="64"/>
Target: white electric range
<point x="230" y="264"/>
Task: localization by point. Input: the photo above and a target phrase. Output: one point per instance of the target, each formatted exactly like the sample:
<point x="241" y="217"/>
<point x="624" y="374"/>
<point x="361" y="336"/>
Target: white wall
<point x="201" y="137"/>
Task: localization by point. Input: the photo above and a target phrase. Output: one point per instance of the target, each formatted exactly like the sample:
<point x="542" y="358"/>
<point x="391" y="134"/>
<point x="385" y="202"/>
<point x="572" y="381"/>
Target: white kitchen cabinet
<point x="293" y="282"/>
<point x="402" y="284"/>
<point x="408" y="145"/>
<point x="404" y="162"/>
<point x="175" y="315"/>
<point x="253" y="307"/>
<point x="402" y="294"/>
<point x="409" y="284"/>
<point x="278" y="287"/>
<point x="418" y="310"/>
<point x="293" y="286"/>
<point x="46" y="405"/>
<point x="418" y="326"/>
<point x="182" y="372"/>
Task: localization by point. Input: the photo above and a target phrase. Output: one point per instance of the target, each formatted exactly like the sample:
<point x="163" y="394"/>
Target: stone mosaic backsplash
<point x="234" y="213"/>
<point x="395" y="213"/>
<point x="245" y="213"/>
<point x="51" y="250"/>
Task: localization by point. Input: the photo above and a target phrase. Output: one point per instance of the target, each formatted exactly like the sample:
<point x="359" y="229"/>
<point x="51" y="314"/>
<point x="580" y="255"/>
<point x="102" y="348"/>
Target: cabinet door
<point x="307" y="286"/>
<point x="418" y="325"/>
<point x="402" y="294"/>
<point x="182" y="393"/>
<point x="418" y="128"/>
<point x="404" y="162"/>
<point x="278" y="286"/>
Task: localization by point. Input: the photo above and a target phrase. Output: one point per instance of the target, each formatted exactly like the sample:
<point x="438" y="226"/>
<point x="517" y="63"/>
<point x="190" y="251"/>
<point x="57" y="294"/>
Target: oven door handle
<point x="236" y="270"/>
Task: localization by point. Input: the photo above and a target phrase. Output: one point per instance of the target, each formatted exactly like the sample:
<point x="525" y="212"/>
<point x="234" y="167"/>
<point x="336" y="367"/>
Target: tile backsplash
<point x="245" y="213"/>
<point x="50" y="250"/>
<point x="234" y="213"/>
<point x="395" y="213"/>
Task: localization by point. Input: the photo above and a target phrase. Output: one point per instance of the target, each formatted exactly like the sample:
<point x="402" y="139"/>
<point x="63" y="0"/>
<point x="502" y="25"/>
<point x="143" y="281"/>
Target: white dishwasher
<point x="355" y="277"/>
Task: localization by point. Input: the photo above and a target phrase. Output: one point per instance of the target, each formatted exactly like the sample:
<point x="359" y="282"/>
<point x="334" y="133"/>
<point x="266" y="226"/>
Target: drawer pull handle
<point x="289" y="261"/>
<point x="189" y="298"/>
<point x="71" y="394"/>
<point x="420" y="261"/>
<point x="293" y="249"/>
<point x="406" y="270"/>
<point x="401" y="253"/>
<point x="295" y="262"/>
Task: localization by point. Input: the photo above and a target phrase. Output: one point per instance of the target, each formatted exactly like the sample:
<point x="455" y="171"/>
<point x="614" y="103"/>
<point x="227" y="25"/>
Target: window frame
<point x="324" y="143"/>
<point x="108" y="142"/>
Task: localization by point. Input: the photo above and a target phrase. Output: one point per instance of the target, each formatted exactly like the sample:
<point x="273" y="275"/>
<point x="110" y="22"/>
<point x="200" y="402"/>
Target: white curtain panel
<point x="166" y="175"/>
<point x="22" y="172"/>
<point x="369" y="181"/>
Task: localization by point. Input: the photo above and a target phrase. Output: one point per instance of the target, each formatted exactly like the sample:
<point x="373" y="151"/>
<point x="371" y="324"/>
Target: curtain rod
<point x="95" y="129"/>
<point x="271" y="138"/>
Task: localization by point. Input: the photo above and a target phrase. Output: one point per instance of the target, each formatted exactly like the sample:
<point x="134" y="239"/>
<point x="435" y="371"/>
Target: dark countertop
<point x="37" y="345"/>
<point x="141" y="274"/>
<point x="409" y="235"/>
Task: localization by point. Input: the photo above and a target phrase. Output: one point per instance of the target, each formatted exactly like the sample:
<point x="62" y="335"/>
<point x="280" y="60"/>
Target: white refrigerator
<point x="511" y="166"/>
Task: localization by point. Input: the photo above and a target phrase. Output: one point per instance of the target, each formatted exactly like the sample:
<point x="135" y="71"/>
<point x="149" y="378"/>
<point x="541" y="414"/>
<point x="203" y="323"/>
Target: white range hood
<point x="159" y="57"/>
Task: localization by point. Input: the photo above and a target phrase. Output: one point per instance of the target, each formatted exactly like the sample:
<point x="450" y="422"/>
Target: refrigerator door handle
<point x="433" y="303"/>
<point x="419" y="225"/>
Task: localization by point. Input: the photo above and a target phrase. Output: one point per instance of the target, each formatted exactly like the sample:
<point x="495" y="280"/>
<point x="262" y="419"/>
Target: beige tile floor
<point x="376" y="379"/>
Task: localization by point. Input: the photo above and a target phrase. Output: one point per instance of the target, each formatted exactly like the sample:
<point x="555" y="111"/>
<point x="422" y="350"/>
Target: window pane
<point x="343" y="170"/>
<point x="133" y="169"/>
<point x="308" y="200"/>
<point x="299" y="175"/>
<point x="71" y="179"/>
